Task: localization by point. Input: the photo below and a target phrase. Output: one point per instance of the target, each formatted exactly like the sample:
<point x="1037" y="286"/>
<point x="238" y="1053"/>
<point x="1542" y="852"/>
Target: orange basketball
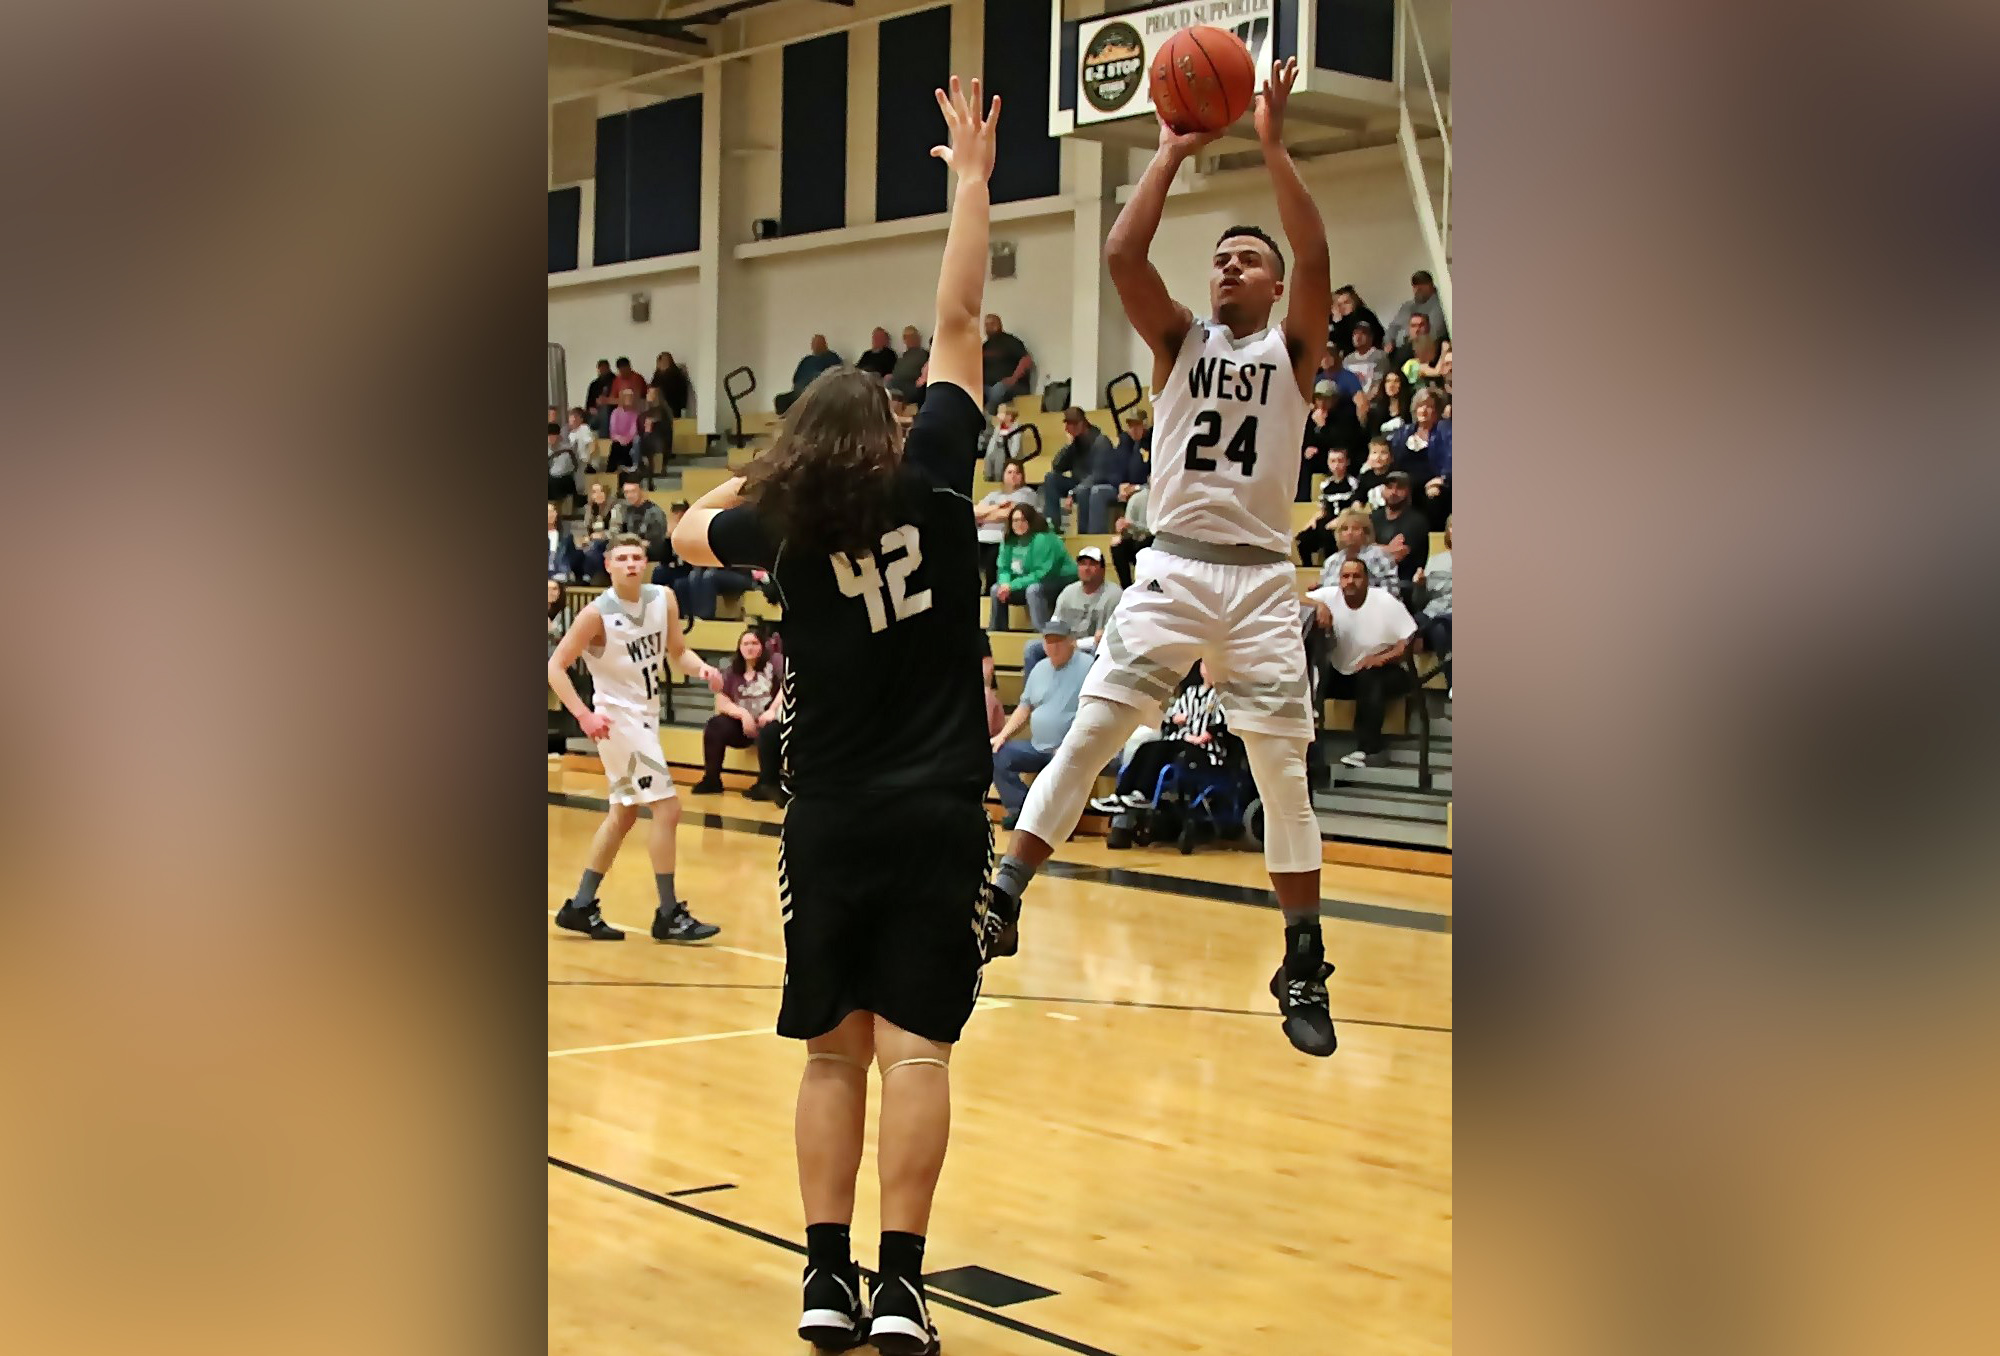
<point x="1202" y="79"/>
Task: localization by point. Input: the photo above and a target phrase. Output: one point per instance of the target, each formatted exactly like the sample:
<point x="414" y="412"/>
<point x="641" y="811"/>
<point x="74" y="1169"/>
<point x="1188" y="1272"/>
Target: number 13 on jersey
<point x="865" y="580"/>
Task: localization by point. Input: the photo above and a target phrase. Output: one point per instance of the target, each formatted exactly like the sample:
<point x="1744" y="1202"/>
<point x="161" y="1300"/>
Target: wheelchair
<point x="1193" y="804"/>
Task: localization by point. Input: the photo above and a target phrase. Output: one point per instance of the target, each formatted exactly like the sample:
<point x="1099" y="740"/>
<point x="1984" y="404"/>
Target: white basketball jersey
<point x="1226" y="437"/>
<point x="628" y="671"/>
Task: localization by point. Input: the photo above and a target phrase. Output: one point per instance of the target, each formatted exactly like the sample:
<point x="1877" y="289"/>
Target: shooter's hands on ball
<point x="1181" y="145"/>
<point x="595" y="725"/>
<point x="970" y="153"/>
<point x="1272" y="98"/>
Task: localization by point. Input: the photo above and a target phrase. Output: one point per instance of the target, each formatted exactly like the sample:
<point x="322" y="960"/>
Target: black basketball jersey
<point x="883" y="681"/>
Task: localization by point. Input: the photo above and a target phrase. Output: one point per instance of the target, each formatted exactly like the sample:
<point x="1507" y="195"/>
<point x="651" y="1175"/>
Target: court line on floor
<point x="664" y="1040"/>
<point x="1002" y="999"/>
<point x="937" y="1298"/>
<point x="1256" y="897"/>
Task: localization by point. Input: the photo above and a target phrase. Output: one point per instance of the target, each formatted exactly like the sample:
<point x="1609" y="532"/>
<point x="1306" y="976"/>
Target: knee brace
<point x="888" y="1069"/>
<point x="1056" y="800"/>
<point x="830" y="1057"/>
<point x="1291" y="829"/>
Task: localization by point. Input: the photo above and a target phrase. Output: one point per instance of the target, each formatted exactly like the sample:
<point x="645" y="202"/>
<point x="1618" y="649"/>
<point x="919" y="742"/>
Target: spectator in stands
<point x="1401" y="531"/>
<point x="599" y="398"/>
<point x="991" y="515"/>
<point x="670" y="379"/>
<point x="671" y="570"/>
<point x="656" y="441"/>
<point x="1336" y="494"/>
<point x="746" y="704"/>
<point x="562" y="467"/>
<point x="1192" y="734"/>
<point x="770" y="783"/>
<point x="582" y="440"/>
<point x="562" y="550"/>
<point x="703" y="587"/>
<point x="1389" y="409"/>
<point x="1423" y="301"/>
<point x="596" y="533"/>
<point x="1034" y="568"/>
<point x="1367" y="362"/>
<point x="1371" y="632"/>
<point x="1354" y="539"/>
<point x="1084" y="606"/>
<point x="1047" y="707"/>
<point x="625" y="379"/>
<point x="1003" y="443"/>
<point x="1133" y="536"/>
<point x="880" y="358"/>
<point x="1325" y="431"/>
<point x="996" y="714"/>
<point x="1423" y="446"/>
<point x="1086" y="459"/>
<point x="634" y="513"/>
<point x="625" y="431"/>
<point x="1434" y="622"/>
<point x="1428" y="365"/>
<point x="1130" y="469"/>
<point x="1006" y="365"/>
<point x="1420" y="327"/>
<point x="1350" y="310"/>
<point x="906" y="379"/>
<point x="818" y="359"/>
<point x="557" y="622"/>
<point x="1373" y="475"/>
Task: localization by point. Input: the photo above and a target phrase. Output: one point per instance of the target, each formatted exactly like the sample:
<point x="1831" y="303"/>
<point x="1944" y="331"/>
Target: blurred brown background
<point x="275" y="1079"/>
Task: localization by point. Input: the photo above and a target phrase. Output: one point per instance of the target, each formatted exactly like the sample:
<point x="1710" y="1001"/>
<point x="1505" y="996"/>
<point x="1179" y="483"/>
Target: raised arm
<point x="1312" y="274"/>
<point x="691" y="532"/>
<point x="955" y="356"/>
<point x="1160" y="320"/>
<point x="585" y="631"/>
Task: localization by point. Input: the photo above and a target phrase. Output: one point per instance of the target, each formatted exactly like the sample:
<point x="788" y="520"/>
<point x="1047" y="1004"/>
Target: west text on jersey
<point x="1221" y="379"/>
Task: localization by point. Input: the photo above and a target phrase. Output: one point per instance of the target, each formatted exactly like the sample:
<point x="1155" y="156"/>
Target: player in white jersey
<point x="1229" y="405"/>
<point x="625" y="638"/>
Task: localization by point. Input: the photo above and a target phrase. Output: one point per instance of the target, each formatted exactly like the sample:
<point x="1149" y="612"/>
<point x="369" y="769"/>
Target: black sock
<point x="1304" y="948"/>
<point x="587" y="890"/>
<point x="664" y="882"/>
<point x="827" y="1247"/>
<point x="902" y="1254"/>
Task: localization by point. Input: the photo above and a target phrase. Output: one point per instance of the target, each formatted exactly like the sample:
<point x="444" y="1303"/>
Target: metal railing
<point x="737" y="394"/>
<point x="1435" y="222"/>
<point x="1117" y="406"/>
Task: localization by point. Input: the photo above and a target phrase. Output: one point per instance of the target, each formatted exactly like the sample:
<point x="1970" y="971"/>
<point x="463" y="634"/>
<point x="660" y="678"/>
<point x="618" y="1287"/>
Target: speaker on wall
<point x="764" y="228"/>
<point x="642" y="307"/>
<point x="1002" y="259"/>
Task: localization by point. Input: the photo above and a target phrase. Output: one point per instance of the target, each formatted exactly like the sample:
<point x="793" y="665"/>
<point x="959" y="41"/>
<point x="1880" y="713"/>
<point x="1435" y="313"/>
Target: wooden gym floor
<point x="1139" y="1164"/>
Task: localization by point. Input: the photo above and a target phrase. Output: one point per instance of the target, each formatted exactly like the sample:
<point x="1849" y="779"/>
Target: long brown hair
<point x="1037" y="524"/>
<point x="828" y="483"/>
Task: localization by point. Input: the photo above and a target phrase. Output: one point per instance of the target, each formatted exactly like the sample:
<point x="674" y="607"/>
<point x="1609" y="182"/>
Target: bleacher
<point x="1377" y="815"/>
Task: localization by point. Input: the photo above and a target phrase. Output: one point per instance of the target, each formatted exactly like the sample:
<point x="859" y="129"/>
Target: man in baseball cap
<point x="1084" y="607"/>
<point x="1048" y="705"/>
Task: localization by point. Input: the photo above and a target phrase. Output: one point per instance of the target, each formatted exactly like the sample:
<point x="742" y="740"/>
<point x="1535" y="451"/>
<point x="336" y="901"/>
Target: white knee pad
<point x="1062" y="789"/>
<point x="1291" y="830"/>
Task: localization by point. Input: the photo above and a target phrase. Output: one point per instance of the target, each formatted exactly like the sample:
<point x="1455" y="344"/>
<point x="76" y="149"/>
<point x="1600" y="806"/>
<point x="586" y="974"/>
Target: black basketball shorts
<point x="883" y="900"/>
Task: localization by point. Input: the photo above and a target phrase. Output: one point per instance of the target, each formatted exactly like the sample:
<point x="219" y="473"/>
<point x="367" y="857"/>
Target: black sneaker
<point x="833" y="1318"/>
<point x="588" y="921"/>
<point x="707" y="786"/>
<point x="1302" y="1001"/>
<point x="757" y="791"/>
<point x="682" y="926"/>
<point x="1000" y="923"/>
<point x="902" y="1324"/>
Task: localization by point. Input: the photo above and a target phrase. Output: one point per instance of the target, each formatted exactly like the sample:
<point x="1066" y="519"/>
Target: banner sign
<point x="1115" y="52"/>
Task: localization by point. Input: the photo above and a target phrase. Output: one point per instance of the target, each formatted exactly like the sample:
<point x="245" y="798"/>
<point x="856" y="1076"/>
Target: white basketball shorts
<point x="633" y="762"/>
<point x="1245" y="620"/>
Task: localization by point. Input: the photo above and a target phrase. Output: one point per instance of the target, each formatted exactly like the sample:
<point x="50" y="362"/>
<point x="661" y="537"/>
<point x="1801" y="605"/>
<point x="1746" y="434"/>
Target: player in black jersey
<point x="869" y="535"/>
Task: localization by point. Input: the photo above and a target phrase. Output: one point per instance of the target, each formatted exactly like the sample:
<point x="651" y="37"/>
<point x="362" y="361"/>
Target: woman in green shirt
<point x="1034" y="567"/>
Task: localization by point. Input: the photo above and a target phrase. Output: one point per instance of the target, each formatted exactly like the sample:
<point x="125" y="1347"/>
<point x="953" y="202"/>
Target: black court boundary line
<point x="1014" y="998"/>
<point x="702" y="1191"/>
<point x="1383" y="915"/>
<point x="939" y="1298"/>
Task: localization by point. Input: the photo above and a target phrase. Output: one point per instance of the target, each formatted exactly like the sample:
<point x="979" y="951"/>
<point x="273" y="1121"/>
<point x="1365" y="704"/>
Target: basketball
<point x="1202" y="79"/>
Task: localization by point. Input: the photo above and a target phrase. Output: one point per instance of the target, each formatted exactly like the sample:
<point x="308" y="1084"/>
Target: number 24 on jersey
<point x="881" y="588"/>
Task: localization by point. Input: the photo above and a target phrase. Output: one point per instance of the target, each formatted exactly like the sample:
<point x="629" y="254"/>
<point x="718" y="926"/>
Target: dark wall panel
<point x="812" y="190"/>
<point x="649" y="182"/>
<point x="565" y="212"/>
<point x="1028" y="161"/>
<point x="914" y="59"/>
<point x="1356" y="36"/>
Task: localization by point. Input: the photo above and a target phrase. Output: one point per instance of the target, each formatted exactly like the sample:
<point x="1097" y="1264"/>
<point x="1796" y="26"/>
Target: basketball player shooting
<point x="868" y="532"/>
<point x="1229" y="398"/>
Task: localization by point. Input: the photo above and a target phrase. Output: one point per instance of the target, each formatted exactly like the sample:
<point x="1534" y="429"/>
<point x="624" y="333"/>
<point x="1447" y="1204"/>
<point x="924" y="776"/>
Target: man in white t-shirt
<point x="1371" y="631"/>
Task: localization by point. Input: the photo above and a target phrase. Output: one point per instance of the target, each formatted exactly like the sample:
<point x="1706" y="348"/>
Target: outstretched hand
<point x="970" y="152"/>
<point x="1183" y="144"/>
<point x="1271" y="100"/>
